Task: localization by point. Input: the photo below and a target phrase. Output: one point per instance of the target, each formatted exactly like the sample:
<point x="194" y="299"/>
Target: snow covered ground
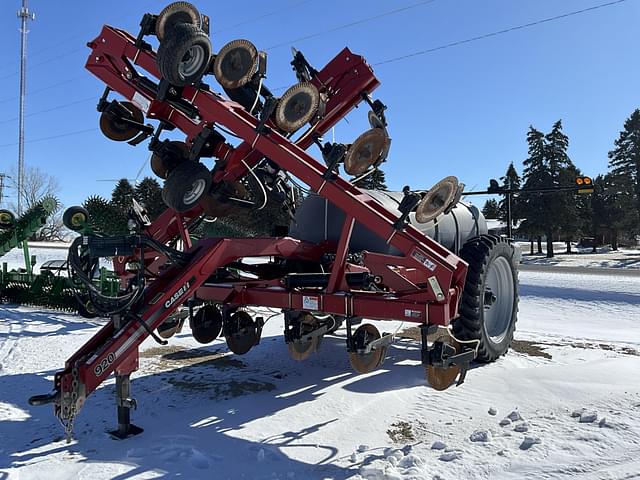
<point x="569" y="390"/>
<point x="43" y="252"/>
<point x="582" y="257"/>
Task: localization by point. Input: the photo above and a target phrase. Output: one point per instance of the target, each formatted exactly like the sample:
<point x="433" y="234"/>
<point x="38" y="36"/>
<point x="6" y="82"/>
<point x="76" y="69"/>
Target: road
<point x="618" y="272"/>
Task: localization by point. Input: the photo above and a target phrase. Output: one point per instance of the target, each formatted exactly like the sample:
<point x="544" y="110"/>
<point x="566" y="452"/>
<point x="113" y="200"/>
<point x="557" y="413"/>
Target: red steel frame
<point x="408" y="277"/>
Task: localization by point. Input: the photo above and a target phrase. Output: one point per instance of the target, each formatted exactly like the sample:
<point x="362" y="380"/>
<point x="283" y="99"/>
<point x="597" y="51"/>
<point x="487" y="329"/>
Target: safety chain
<point x="68" y="404"/>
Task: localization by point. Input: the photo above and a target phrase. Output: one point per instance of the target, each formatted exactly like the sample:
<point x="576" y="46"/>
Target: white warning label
<point x="309" y="303"/>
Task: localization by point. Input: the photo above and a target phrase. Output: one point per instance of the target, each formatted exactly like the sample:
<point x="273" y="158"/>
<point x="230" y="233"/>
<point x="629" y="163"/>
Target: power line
<point x="52" y="137"/>
<point x="394" y="59"/>
<point x="48" y="87"/>
<point x="44" y="62"/>
<point x="70" y="38"/>
<point x="351" y="24"/>
<point x="499" y="32"/>
<point x="72" y="52"/>
<point x="255" y="19"/>
<point x="57" y="107"/>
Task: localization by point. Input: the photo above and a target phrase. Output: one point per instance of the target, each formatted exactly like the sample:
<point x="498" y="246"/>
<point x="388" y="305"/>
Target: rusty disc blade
<point x="167" y="157"/>
<point x="176" y="13"/>
<point x="302" y="350"/>
<point x="437" y="199"/>
<point x="368" y="362"/>
<point x="297" y="106"/>
<point x="235" y="64"/>
<point x="442" y="378"/>
<point x="115" y="129"/>
<point x="169" y="329"/>
<point x="365" y="151"/>
<point x="243" y="335"/>
<point x="206" y="324"/>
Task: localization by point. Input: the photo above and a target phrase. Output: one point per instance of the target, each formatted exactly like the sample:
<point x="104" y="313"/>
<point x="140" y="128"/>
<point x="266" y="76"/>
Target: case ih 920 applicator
<point x="350" y="254"/>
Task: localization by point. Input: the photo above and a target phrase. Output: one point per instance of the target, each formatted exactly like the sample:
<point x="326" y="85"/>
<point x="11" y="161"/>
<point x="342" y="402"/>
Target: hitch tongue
<point x="45" y="399"/>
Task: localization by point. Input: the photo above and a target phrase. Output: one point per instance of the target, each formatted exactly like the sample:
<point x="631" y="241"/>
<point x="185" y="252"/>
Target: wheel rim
<point x="191" y="61"/>
<point x="78" y="219"/>
<point x="195" y="192"/>
<point x="498" y="299"/>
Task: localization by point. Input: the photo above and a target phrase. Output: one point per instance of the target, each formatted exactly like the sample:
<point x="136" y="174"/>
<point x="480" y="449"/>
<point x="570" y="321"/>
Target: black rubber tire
<point x="86" y="310"/>
<point x="480" y="253"/>
<point x="175" y="13"/>
<point x="180" y="44"/>
<point x="72" y="216"/>
<point x="186" y="185"/>
<point x="7" y="219"/>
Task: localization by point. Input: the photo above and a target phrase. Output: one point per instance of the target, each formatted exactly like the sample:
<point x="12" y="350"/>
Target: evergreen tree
<point x="624" y="172"/>
<point x="121" y="200"/>
<point x="104" y="217"/>
<point x="563" y="206"/>
<point x="532" y="206"/>
<point x="608" y="213"/>
<point x="122" y="195"/>
<point x="375" y="181"/>
<point x="491" y="209"/>
<point x="149" y="193"/>
<point x="510" y="181"/>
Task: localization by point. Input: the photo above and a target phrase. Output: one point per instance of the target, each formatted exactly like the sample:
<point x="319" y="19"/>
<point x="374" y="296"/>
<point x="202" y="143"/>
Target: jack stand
<point x="124" y="401"/>
<point x="125" y="404"/>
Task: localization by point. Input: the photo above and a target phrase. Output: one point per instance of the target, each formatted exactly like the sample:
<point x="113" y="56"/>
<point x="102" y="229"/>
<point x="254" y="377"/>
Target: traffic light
<point x="494" y="187"/>
<point x="584" y="184"/>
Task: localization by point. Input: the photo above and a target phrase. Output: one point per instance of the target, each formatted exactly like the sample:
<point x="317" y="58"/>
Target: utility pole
<point x="2" y="177"/>
<point x="24" y="15"/>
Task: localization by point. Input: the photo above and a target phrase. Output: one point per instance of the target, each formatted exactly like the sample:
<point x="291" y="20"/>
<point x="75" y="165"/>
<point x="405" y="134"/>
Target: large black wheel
<point x="174" y="14"/>
<point x="75" y="218"/>
<point x="186" y="185"/>
<point x="184" y="54"/>
<point x="489" y="304"/>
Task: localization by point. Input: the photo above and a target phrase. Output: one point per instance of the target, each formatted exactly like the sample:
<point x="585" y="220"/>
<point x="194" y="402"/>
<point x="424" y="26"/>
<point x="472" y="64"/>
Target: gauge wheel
<point x="7" y="219"/>
<point x="186" y="185"/>
<point x="184" y="55"/>
<point x="75" y="218"/>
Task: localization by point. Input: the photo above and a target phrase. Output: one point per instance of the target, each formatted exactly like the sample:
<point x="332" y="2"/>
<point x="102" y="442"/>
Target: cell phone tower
<point x="24" y="15"/>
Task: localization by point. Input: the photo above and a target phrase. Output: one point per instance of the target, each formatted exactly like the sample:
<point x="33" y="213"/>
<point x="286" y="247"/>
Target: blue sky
<point x="460" y="111"/>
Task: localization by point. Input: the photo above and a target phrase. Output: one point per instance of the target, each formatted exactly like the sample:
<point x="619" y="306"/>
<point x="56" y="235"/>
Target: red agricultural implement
<point x="349" y="254"/>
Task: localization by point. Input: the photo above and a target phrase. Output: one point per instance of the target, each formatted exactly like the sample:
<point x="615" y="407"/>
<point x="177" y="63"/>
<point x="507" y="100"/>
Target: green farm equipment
<point x="52" y="287"/>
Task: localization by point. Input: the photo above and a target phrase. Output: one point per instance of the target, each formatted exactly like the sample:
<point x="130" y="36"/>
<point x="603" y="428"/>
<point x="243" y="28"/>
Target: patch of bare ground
<point x="171" y="357"/>
<point x="537" y="348"/>
<point x="533" y="349"/>
<point x="195" y="370"/>
<point x="401" y="432"/>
